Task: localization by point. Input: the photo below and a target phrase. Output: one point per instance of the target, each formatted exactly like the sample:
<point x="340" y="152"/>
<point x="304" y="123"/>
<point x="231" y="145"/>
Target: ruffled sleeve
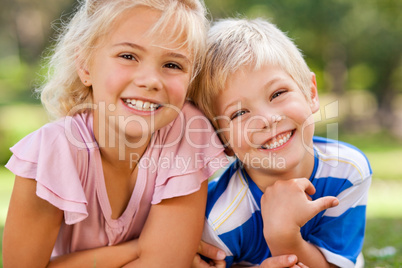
<point x="189" y="153"/>
<point x="56" y="163"/>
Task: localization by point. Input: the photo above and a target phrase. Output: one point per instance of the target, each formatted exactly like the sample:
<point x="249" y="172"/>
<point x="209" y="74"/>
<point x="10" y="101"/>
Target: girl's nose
<point x="148" y="78"/>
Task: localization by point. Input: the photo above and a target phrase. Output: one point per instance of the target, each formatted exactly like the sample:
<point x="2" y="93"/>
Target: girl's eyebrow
<point x="170" y="54"/>
<point x="178" y="56"/>
<point x="124" y="44"/>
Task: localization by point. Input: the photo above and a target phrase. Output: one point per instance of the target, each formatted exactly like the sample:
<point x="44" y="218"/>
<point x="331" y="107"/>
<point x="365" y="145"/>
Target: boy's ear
<point x="314" y="103"/>
<point x="228" y="149"/>
<point x="83" y="73"/>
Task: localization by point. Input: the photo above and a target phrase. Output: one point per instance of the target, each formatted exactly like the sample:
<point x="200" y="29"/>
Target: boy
<point x="287" y="192"/>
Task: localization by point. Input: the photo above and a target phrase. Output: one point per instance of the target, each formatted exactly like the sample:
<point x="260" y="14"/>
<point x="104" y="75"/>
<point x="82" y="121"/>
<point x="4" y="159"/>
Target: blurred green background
<point x="354" y="47"/>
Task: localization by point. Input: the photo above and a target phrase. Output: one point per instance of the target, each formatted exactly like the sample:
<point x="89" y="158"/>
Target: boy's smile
<point x="264" y="114"/>
<point x="278" y="141"/>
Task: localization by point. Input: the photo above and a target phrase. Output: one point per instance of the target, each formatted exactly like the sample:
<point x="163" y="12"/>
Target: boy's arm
<point x="286" y="207"/>
<point x="217" y="257"/>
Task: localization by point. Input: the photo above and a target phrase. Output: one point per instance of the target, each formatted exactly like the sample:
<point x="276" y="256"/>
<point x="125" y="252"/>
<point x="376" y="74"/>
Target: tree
<point x="338" y="36"/>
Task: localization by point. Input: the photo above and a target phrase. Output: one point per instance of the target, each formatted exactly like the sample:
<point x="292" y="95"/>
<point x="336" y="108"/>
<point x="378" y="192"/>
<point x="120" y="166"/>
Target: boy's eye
<point x="171" y="65"/>
<point x="237" y="114"/>
<point x="277" y="94"/>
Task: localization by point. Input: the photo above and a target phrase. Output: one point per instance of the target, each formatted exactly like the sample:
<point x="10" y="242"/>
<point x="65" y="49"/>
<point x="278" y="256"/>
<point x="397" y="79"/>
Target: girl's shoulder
<point x="57" y="157"/>
<point x="188" y="151"/>
<point x="72" y="131"/>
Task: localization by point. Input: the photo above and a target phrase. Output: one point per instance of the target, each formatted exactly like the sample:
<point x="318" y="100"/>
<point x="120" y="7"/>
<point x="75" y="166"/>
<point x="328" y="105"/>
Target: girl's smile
<point x="138" y="73"/>
<point x="140" y="105"/>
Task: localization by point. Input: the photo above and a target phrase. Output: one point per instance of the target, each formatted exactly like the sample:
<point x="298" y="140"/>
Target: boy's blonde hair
<point x="93" y="19"/>
<point x="235" y="43"/>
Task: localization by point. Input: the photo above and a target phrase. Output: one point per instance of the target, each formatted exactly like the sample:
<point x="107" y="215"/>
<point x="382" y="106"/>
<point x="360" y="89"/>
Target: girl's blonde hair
<point x="236" y="43"/>
<point x="93" y="19"/>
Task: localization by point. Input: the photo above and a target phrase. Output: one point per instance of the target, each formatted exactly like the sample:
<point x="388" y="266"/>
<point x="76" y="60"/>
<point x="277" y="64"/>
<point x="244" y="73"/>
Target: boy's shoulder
<point x="233" y="218"/>
<point x="231" y="196"/>
<point x="223" y="184"/>
<point x="340" y="159"/>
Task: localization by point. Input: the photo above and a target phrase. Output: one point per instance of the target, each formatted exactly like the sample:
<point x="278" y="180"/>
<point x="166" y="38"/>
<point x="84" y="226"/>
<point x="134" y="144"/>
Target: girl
<point x="120" y="178"/>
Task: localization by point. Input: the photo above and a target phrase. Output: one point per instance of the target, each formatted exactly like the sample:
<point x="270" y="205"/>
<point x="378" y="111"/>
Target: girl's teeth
<point x="141" y="105"/>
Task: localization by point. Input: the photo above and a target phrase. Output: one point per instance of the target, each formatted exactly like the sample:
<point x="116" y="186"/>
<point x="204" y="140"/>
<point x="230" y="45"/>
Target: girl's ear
<point x="83" y="73"/>
<point x="314" y="101"/>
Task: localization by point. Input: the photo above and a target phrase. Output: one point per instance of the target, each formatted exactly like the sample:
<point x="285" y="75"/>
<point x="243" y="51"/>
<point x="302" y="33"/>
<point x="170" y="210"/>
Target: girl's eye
<point x="237" y="114"/>
<point x="128" y="57"/>
<point x="173" y="66"/>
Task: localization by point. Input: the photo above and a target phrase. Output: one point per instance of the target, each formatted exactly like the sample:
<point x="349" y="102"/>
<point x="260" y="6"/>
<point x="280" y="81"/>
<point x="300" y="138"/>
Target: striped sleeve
<point x="343" y="172"/>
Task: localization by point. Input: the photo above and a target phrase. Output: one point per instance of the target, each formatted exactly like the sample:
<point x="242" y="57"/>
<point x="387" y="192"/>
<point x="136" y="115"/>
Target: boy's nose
<point x="263" y="126"/>
<point x="265" y="120"/>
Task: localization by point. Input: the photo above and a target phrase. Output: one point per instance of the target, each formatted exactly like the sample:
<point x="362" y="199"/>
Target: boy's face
<point x="267" y="121"/>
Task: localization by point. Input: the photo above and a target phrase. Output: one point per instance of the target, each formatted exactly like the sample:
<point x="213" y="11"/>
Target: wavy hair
<point x="92" y="20"/>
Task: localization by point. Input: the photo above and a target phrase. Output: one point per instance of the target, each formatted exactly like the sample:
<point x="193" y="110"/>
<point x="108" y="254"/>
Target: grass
<point x="382" y="233"/>
<point x="384" y="212"/>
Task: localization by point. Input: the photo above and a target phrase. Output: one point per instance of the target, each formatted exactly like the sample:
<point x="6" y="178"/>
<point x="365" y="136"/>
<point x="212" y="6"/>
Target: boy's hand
<point x="282" y="261"/>
<point x="286" y="206"/>
<point x="216" y="255"/>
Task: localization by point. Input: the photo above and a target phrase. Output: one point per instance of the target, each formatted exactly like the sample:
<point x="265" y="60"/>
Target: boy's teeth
<point x="277" y="141"/>
<point x="141" y="105"/>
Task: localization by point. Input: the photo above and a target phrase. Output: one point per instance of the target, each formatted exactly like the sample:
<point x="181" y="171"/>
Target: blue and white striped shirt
<point x="234" y="222"/>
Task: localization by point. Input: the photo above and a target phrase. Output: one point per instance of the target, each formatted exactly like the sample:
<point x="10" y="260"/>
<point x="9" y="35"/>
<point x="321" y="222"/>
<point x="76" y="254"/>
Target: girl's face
<point x="139" y="80"/>
<point x="268" y="122"/>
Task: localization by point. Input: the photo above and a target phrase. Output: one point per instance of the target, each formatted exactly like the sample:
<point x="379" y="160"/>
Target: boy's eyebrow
<point x="265" y="86"/>
<point x="233" y="103"/>
<point x="272" y="81"/>
<point x="170" y="54"/>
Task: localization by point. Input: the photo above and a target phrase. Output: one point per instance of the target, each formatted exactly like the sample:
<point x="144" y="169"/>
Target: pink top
<point x="64" y="158"/>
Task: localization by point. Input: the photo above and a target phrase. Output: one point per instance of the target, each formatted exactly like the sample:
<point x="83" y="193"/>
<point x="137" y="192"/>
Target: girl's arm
<point x="172" y="232"/>
<point x="169" y="239"/>
<point x="107" y="256"/>
<point x="31" y="227"/>
<point x="31" y="231"/>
